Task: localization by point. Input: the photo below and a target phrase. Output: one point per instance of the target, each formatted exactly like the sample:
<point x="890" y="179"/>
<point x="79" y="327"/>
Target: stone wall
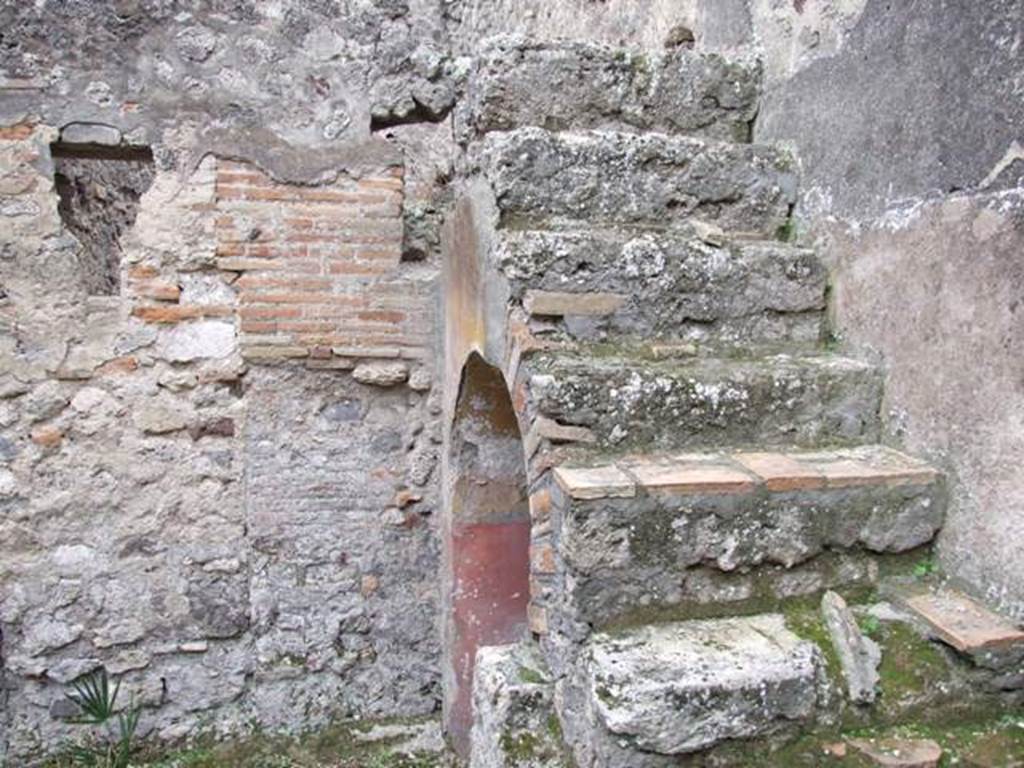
<point x="217" y="469"/>
<point x="906" y="117"/>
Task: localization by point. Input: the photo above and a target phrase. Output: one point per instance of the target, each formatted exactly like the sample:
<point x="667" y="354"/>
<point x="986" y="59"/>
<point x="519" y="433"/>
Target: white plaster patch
<point x="193" y="341"/>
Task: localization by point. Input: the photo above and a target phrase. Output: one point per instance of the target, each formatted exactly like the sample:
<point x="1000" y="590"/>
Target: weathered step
<point x="671" y="689"/>
<point x="514" y="722"/>
<point x="565" y="85"/>
<point x="588" y="285"/>
<point x="631" y="528"/>
<point x="542" y="179"/>
<point x="684" y="403"/>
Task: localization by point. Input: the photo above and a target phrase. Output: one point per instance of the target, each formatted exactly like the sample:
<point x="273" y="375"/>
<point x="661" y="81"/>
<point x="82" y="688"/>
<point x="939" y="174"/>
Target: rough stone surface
<point x="768" y="401"/>
<point x="676" y="285"/>
<point x="620" y="178"/>
<point x="199" y="493"/>
<point x="514" y="720"/>
<point x="858" y="654"/>
<point x="381" y="374"/>
<point x="677" y="688"/>
<point x="578" y="85"/>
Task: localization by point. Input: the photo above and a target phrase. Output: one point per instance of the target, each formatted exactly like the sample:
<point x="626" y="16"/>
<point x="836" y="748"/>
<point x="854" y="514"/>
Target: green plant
<point x="870" y="625"/>
<point x="112" y="744"/>
<point x="925" y="567"/>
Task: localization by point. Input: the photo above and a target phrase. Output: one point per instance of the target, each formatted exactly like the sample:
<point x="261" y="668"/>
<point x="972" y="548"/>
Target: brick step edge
<point x="739" y="472"/>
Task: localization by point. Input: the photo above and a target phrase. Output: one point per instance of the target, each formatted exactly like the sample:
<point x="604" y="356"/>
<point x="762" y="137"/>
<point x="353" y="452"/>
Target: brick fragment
<point x="274" y="352"/>
<point x="540" y="506"/>
<point x="542" y="558"/>
<point x="595" y="482"/>
<point x="963" y="623"/>
<point x="117" y="366"/>
<point x="16" y="132"/>
<point x="176" y="314"/>
<point x="692" y="477"/>
<point x="47" y="436"/>
<point x="160" y="290"/>
<point x="780" y="472"/>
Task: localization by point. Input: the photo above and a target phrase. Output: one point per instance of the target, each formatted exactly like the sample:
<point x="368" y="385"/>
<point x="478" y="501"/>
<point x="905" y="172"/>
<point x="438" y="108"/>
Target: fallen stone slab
<point x="899" y="753"/>
<point x="859" y="655"/>
<point x="671" y="689"/>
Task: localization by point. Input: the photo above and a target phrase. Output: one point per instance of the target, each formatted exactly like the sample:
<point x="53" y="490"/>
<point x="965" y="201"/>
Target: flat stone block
<point x="676" y="688"/>
<point x="631" y="402"/>
<point x="606" y="177"/>
<point x="583" y="84"/>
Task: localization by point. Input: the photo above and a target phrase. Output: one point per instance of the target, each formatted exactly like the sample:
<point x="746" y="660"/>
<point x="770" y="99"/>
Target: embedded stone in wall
<point x="191" y="341"/>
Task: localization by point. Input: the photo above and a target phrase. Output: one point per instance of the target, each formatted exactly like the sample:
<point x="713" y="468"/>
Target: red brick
<point x="383" y="316"/>
<point x="160" y="290"/>
<point x="175" y="314"/>
<point x="263" y="313"/>
<point x="230" y="249"/>
<point x="307" y="327"/>
<point x="142" y="272"/>
<point x="348" y="268"/>
<point x="258" y="326"/>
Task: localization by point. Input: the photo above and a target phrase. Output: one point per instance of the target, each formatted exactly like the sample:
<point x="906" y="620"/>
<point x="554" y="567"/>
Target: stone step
<point x="628" y="402"/>
<point x="542" y="179"/>
<point x="632" y="529"/>
<point x="566" y="85"/>
<point x="672" y="689"/>
<point x="590" y="285"/>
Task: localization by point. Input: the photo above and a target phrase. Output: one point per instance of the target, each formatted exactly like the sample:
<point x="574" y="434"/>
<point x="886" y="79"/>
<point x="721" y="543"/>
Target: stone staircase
<point x="692" y="445"/>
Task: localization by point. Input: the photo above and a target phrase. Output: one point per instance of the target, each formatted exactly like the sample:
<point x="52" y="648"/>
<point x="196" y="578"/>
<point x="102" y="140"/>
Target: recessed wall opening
<point x="99" y="189"/>
<point x="490" y="533"/>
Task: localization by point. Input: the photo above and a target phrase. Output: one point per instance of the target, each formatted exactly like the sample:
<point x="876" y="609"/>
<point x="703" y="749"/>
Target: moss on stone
<point x="531" y="676"/>
<point x="519" y="746"/>
<point x="334" y="745"/>
<point x="911" y="668"/>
